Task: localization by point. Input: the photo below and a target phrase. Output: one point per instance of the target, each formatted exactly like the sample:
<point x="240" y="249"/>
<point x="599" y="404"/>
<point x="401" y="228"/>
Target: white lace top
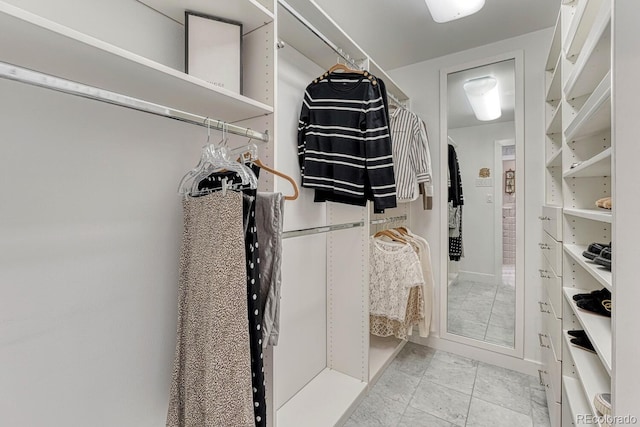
<point x="394" y="269"/>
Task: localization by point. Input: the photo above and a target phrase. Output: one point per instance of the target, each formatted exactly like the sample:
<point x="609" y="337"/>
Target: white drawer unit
<point x="552" y="251"/>
<point x="553" y="368"/>
<point x="553" y="285"/>
<point x="551" y="219"/>
<point x="555" y="408"/>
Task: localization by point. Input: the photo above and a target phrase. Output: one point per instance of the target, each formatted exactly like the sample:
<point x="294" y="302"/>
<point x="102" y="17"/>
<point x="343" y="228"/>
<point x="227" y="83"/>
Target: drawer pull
<point x="544" y="218"/>
<point x="542" y="309"/>
<point x="542" y="344"/>
<point x="544" y="246"/>
<point x="543" y="275"/>
<point x="542" y="383"/>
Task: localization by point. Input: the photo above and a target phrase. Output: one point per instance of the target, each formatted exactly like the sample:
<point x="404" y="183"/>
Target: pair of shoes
<point x="581" y="340"/>
<point x="604" y="259"/>
<point x="598" y="302"/>
<point x="604" y="203"/>
<point x="594" y="250"/>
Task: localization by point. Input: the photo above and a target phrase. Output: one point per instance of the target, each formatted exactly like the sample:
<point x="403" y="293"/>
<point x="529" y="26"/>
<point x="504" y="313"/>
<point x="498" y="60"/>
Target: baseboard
<point x="526" y="366"/>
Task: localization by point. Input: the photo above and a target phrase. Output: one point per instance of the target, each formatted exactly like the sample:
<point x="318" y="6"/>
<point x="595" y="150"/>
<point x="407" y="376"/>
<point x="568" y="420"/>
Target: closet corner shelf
<point x="554" y="91"/>
<point x="322" y="402"/>
<point x="602" y="275"/>
<point x="592" y="376"/>
<point x="595" y="114"/>
<point x="595" y="57"/>
<point x="555" y="125"/>
<point x="578" y="403"/>
<point x="250" y="13"/>
<point x="555" y="160"/>
<point x="598" y="165"/>
<point x="585" y="14"/>
<point x="598" y="328"/>
<point x="556" y="45"/>
<point x="600" y="215"/>
<point x="51" y="48"/>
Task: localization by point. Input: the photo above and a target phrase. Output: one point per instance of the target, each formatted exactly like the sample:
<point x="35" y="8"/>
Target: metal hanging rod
<point x="35" y="78"/>
<point x="322" y="229"/>
<point x="318" y="34"/>
<point x="387" y="220"/>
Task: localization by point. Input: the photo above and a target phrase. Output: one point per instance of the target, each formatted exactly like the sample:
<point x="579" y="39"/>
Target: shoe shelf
<point x="251" y="13"/>
<point x="600" y="215"/>
<point x="585" y="14"/>
<point x="598" y="165"/>
<point x="555" y="124"/>
<point x="597" y="327"/>
<point x="578" y="403"/>
<point x="556" y="47"/>
<point x="594" y="60"/>
<point x="595" y="114"/>
<point x="602" y="275"/>
<point x="554" y="89"/>
<point x="33" y="42"/>
<point x="592" y="376"/>
<point x="555" y="160"/>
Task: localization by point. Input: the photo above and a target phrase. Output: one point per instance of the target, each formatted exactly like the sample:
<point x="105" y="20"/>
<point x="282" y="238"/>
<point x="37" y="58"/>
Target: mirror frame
<point x="518" y="349"/>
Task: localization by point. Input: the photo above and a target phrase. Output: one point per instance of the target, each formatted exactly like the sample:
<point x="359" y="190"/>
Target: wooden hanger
<point x="342" y="67"/>
<point x="402" y="230"/>
<point x="390" y="234"/>
<point x="296" y="192"/>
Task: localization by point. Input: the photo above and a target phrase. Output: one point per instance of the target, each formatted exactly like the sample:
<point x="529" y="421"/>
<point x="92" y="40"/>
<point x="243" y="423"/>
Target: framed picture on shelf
<point x="213" y="50"/>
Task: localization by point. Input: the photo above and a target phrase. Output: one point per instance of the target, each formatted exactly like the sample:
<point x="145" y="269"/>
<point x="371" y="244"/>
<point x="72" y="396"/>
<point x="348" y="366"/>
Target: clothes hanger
<point x="341" y="67"/>
<point x="402" y="230"/>
<point x="250" y="153"/>
<point x="391" y="235"/>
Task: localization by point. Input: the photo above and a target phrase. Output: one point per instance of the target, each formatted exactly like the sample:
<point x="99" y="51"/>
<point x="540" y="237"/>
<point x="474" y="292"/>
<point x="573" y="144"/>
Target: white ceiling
<point x="401" y="32"/>
<point x="460" y="113"/>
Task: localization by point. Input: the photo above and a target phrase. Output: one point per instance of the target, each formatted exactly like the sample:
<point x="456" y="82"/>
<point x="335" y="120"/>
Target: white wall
<point x="476" y="146"/>
<point x="422" y="82"/>
<point x="91" y="227"/>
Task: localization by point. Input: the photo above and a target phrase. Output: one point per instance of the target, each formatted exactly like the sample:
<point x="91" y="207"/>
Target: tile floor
<point x="427" y="388"/>
<point x="483" y="311"/>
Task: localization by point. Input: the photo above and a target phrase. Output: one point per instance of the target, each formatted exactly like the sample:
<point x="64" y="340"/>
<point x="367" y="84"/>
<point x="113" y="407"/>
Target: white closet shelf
<point x="322" y="402"/>
<point x="598" y="165"/>
<point x="585" y="14"/>
<point x="593" y="378"/>
<point x="554" y="90"/>
<point x="382" y="351"/>
<point x="300" y="38"/>
<point x="248" y="12"/>
<point x="555" y="160"/>
<point x="592" y="214"/>
<point x="598" y="328"/>
<point x="594" y="60"/>
<point x="602" y="275"/>
<point x="555" y="125"/>
<point x="578" y="403"/>
<point x="36" y="43"/>
<point x="556" y="46"/>
<point x="595" y="114"/>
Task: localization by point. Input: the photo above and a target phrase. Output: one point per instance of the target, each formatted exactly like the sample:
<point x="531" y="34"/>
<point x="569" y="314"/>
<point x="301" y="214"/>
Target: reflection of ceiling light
<point x="484" y="97"/>
<point x="448" y="10"/>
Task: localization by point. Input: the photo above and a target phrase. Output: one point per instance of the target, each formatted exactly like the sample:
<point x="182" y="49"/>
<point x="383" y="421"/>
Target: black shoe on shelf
<point x="577" y="333"/>
<point x="594" y="250"/>
<point x="604" y="259"/>
<point x="583" y="343"/>
<point x="599" y="294"/>
<point x="596" y="305"/>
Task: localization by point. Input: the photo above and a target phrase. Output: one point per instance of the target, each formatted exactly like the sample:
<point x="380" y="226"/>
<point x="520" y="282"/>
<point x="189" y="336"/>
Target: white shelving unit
<point x="578" y="404"/>
<point x="595" y="115"/>
<point x="597" y="327"/>
<point x="598" y="165"/>
<point x="585" y="14"/>
<point x="602" y="275"/>
<point x="592" y="214"/>
<point x="555" y="159"/>
<point x="51" y="48"/>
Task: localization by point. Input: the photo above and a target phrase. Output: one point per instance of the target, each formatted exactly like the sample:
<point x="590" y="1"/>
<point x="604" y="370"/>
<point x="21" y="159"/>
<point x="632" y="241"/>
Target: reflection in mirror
<point x="481" y="293"/>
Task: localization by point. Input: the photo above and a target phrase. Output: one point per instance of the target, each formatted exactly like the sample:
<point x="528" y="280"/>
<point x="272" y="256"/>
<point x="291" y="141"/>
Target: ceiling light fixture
<point x="484" y="97"/>
<point x="448" y="10"/>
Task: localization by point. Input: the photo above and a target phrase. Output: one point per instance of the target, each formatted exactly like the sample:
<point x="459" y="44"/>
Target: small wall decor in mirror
<point x="481" y="114"/>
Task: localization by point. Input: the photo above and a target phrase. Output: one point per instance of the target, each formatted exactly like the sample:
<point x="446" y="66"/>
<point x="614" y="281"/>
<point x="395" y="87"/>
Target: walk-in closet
<point x="319" y="213"/>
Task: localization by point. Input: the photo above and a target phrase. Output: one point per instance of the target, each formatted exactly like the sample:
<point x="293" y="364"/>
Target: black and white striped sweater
<point x="344" y="146"/>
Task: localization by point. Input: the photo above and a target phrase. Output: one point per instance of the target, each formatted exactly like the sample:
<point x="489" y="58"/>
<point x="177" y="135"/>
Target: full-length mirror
<point x="482" y="175"/>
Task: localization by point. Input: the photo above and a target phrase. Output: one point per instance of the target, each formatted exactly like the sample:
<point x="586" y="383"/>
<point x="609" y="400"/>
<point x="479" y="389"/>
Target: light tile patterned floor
<point x="427" y="388"/>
